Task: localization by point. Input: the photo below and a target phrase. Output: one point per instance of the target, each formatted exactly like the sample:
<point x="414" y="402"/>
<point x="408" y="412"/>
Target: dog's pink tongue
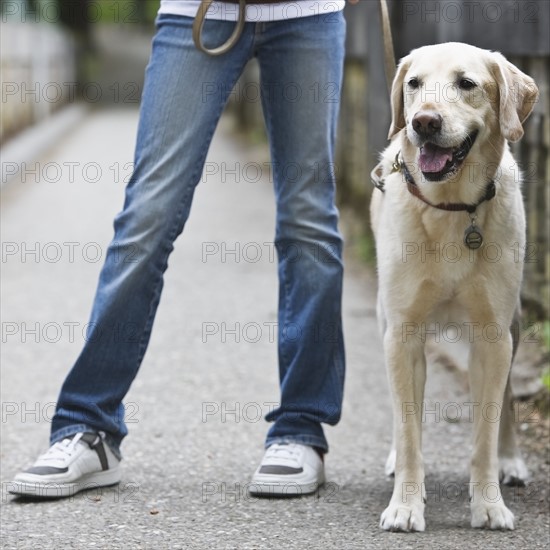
<point x="433" y="158"/>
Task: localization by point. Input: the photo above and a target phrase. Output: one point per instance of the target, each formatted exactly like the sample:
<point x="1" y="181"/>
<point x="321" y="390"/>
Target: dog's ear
<point x="517" y="95"/>
<point x="397" y="106"/>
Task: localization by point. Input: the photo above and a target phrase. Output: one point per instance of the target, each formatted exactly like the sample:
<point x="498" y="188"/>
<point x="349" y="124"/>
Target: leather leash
<point x="198" y="24"/>
<point x="389" y="54"/>
<point x="389" y="69"/>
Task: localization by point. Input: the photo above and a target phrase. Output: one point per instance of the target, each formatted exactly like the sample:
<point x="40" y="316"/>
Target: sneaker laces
<point x="284" y="451"/>
<point x="62" y="450"/>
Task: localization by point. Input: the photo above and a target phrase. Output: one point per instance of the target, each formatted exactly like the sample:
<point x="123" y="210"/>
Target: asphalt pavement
<point x="195" y="410"/>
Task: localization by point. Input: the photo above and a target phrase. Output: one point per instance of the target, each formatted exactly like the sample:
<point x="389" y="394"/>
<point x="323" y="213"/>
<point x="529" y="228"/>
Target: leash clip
<point x="376" y="175"/>
<point x="396" y="164"/>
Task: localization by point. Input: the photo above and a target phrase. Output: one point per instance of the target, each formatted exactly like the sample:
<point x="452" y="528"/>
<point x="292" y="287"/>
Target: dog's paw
<point x="492" y="516"/>
<point x="389" y="468"/>
<point x="403" y="518"/>
<point x="513" y="471"/>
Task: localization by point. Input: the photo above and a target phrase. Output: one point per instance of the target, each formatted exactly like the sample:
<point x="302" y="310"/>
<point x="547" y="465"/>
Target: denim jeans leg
<point x="301" y="63"/>
<point x="184" y="94"/>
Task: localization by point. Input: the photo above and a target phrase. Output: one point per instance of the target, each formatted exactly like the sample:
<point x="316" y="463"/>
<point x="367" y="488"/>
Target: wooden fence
<point x="519" y="30"/>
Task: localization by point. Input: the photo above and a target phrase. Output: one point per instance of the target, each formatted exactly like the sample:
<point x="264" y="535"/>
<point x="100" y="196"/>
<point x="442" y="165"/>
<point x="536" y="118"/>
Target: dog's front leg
<point x="489" y="369"/>
<point x="406" y="366"/>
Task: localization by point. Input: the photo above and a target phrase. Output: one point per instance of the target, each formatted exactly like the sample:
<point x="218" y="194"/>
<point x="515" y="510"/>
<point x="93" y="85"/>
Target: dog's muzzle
<point x="437" y="162"/>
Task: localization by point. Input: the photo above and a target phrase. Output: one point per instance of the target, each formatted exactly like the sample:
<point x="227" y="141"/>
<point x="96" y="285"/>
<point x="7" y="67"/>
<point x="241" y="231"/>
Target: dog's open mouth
<point x="438" y="162"/>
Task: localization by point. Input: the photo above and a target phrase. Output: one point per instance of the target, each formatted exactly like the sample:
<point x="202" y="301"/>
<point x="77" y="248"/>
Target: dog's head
<point x="451" y="98"/>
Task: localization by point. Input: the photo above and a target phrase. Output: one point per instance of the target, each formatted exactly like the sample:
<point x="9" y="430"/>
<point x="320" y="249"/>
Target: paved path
<point x="194" y="410"/>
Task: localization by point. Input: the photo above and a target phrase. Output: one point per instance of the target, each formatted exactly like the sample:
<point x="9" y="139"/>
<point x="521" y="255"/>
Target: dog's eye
<point x="413" y="83"/>
<point x="466" y="84"/>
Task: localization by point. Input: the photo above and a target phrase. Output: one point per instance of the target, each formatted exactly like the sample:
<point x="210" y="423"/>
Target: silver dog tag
<point x="473" y="238"/>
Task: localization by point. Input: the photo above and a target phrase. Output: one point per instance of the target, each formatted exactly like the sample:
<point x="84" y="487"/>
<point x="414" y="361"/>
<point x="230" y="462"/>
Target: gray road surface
<point x="194" y="411"/>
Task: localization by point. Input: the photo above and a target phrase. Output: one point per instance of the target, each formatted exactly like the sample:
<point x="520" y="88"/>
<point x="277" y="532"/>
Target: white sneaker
<point x="288" y="469"/>
<point x="82" y="461"/>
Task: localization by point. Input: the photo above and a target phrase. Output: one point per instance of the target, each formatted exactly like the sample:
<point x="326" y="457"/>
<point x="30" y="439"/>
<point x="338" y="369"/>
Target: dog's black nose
<point x="427" y="123"/>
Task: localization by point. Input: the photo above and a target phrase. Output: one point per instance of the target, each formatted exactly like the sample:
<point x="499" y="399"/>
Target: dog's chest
<point x="433" y="241"/>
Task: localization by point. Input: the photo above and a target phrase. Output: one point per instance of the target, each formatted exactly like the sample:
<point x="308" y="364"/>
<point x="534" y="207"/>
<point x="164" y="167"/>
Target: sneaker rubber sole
<point x="51" y="489"/>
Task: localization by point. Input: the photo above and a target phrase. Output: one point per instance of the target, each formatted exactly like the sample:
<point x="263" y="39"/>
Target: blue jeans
<point x="184" y="94"/>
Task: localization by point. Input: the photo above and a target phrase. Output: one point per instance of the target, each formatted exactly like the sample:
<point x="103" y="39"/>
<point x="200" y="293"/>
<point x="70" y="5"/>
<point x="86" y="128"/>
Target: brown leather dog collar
<point x="490" y="192"/>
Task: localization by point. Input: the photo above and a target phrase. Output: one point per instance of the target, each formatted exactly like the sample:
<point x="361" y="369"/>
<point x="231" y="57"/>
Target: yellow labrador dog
<point x="449" y="221"/>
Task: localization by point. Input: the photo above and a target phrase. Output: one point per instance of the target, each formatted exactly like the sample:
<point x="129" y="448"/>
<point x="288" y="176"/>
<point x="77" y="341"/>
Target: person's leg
<point x="183" y="97"/>
<point x="301" y="62"/>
